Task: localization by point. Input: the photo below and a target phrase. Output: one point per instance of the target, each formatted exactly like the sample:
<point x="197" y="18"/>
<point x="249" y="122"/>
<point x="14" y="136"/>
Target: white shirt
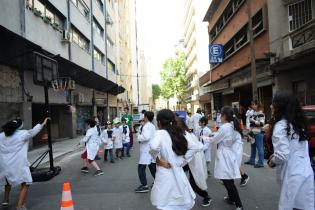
<point x="118" y="137"/>
<point x="125" y="135"/>
<point x="14" y="165"/>
<point x="92" y="142"/>
<point x="226" y="162"/>
<point x="171" y="189"/>
<point x="107" y="138"/>
<point x="144" y="137"/>
<point x="294" y="171"/>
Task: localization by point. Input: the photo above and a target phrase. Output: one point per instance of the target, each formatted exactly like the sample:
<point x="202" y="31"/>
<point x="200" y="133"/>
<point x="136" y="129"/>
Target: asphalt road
<point x="115" y="189"/>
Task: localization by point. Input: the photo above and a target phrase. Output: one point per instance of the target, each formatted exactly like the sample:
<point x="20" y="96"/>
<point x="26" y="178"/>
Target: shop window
<point x="299" y="14"/>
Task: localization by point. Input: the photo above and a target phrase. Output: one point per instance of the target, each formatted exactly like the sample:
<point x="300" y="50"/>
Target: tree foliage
<point x="156" y="91"/>
<point x="173" y="77"/>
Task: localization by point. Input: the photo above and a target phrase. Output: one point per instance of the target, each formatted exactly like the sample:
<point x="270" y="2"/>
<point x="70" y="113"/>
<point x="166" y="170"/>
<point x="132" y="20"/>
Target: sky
<point x="159" y="30"/>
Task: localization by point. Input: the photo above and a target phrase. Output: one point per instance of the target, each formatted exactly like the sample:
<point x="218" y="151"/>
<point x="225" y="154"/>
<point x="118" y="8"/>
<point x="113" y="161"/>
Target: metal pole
<point x="252" y="51"/>
<point x="136" y="26"/>
<point x="51" y="159"/>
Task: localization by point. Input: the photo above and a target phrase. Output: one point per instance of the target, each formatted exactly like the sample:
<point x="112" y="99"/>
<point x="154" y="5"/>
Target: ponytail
<point x="10" y="127"/>
<point x="231" y="116"/>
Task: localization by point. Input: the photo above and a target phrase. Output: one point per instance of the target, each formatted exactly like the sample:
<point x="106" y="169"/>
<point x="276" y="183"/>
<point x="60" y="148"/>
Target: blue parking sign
<point x="215" y="53"/>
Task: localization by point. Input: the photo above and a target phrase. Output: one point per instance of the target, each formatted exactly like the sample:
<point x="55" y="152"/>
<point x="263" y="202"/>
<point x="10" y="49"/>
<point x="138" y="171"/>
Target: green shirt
<point x="129" y="119"/>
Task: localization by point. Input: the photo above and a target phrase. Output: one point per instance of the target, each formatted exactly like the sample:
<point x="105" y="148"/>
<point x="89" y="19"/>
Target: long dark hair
<point x="181" y="124"/>
<point x="287" y="106"/>
<point x="10" y="127"/>
<point x="166" y="121"/>
<point x="230" y="116"/>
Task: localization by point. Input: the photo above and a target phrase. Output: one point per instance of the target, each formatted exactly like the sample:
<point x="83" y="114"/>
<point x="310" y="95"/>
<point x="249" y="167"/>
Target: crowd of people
<point x="178" y="153"/>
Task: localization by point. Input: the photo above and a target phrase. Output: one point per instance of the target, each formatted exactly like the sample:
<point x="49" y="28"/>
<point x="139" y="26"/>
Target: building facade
<point x="292" y="47"/>
<point x="196" y="45"/>
<point x="229" y="82"/>
<point x="81" y="36"/>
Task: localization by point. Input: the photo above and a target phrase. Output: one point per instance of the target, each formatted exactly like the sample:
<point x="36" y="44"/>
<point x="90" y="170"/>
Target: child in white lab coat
<point x="91" y="141"/>
<point x="117" y="137"/>
<point x="291" y="154"/>
<point x="227" y="163"/>
<point x="171" y="189"/>
<point x="107" y="138"/>
<point x="14" y="166"/>
<point x="145" y="135"/>
<point x="125" y="138"/>
<point x="205" y="131"/>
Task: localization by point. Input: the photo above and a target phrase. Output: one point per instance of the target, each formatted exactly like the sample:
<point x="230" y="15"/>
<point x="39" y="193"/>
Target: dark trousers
<point x="131" y="137"/>
<point x="126" y="147"/>
<point x="232" y="192"/>
<point x="200" y="192"/>
<point x="110" y="151"/>
<point x="142" y="174"/>
<point x="118" y="152"/>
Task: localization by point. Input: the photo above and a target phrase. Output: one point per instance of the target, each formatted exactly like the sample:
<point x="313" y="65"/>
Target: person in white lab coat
<point x="107" y="138"/>
<point x="189" y="122"/>
<point x="14" y="166"/>
<point x="171" y="189"/>
<point x="205" y="131"/>
<point x="125" y="138"/>
<point x="196" y="166"/>
<point x="291" y="154"/>
<point x="227" y="163"/>
<point x="145" y="136"/>
<point x="195" y="121"/>
<point x="92" y="142"/>
<point x="118" y="138"/>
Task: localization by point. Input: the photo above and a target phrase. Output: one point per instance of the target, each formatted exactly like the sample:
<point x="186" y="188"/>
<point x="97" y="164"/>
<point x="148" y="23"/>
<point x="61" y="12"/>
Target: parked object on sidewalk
<point x="14" y="166"/>
<point x="66" y="201"/>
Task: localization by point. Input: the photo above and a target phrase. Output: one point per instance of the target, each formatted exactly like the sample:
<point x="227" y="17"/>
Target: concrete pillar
<point x="26" y="115"/>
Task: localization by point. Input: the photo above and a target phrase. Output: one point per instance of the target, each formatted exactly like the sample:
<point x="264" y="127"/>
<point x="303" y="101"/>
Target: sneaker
<point x="98" y="173"/>
<point x="112" y="161"/>
<point x="228" y="200"/>
<point x="85" y="170"/>
<point x="4" y="203"/>
<point x="206" y="202"/>
<point x="249" y="163"/>
<point x="239" y="208"/>
<point x="142" y="189"/>
<point x="244" y="180"/>
<point x="258" y="166"/>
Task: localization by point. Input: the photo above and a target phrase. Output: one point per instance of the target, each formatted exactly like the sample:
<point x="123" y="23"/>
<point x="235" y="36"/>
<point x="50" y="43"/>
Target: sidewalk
<point x="60" y="149"/>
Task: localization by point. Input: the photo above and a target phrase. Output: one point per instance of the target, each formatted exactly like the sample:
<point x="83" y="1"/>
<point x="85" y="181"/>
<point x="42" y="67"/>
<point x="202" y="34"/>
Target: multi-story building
<point x="230" y="82"/>
<point x="81" y="36"/>
<point x="196" y="45"/>
<point x="292" y="47"/>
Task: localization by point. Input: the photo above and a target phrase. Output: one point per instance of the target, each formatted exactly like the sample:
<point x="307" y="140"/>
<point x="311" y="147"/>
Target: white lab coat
<point x="125" y="137"/>
<point x="144" y="138"/>
<point x="189" y="122"/>
<point x="294" y="172"/>
<point x="118" y="137"/>
<point x="108" y="140"/>
<point x="195" y="121"/>
<point x="238" y="147"/>
<point x="206" y="144"/>
<point x="197" y="162"/>
<point x="171" y="189"/>
<point x="92" y="142"/>
<point x="226" y="163"/>
<point x="14" y="165"/>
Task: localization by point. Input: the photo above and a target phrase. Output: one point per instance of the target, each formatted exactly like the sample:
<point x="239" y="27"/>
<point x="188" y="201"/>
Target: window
<point x="97" y="55"/>
<point x="79" y="39"/>
<point x="100" y="5"/>
<point x="98" y="28"/>
<point x="241" y="37"/>
<point x="110" y="66"/>
<point x="39" y="6"/>
<point x="299" y="13"/>
<point x="299" y="89"/>
<point x="109" y="43"/>
<point x="258" y="22"/>
<point x="82" y="7"/>
<point x="229" y="48"/>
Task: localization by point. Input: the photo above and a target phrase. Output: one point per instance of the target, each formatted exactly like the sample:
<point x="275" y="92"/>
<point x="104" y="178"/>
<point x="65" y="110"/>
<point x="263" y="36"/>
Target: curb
<point x="59" y="157"/>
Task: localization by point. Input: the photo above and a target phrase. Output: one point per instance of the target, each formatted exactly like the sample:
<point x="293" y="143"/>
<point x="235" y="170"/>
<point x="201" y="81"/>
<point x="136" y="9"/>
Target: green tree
<point x="156" y="91"/>
<point x="173" y="78"/>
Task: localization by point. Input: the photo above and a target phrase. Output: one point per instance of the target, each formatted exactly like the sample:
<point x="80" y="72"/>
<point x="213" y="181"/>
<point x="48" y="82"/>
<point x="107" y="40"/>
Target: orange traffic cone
<point x="66" y="202"/>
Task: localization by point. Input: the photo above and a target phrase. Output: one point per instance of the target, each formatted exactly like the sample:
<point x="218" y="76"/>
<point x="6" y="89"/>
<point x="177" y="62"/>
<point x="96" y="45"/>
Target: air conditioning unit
<point x="65" y="36"/>
<point x="108" y="20"/>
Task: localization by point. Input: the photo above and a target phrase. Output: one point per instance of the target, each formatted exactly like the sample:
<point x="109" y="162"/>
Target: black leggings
<point x="202" y="193"/>
<point x="232" y="192"/>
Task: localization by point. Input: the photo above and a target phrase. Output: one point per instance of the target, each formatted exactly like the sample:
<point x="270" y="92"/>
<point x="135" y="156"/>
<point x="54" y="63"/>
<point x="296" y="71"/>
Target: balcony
<point x="303" y="36"/>
<point x="191" y="70"/>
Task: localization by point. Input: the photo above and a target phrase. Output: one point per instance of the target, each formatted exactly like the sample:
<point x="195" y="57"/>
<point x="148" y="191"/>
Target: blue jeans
<point x="127" y="146"/>
<point x="259" y="145"/>
<point x="142" y="174"/>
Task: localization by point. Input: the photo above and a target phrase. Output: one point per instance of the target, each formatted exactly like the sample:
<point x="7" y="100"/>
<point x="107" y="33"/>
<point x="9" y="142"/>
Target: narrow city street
<point x="115" y="189"/>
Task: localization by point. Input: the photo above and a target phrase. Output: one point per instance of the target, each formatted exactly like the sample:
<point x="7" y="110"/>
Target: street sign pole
<point x="252" y="51"/>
